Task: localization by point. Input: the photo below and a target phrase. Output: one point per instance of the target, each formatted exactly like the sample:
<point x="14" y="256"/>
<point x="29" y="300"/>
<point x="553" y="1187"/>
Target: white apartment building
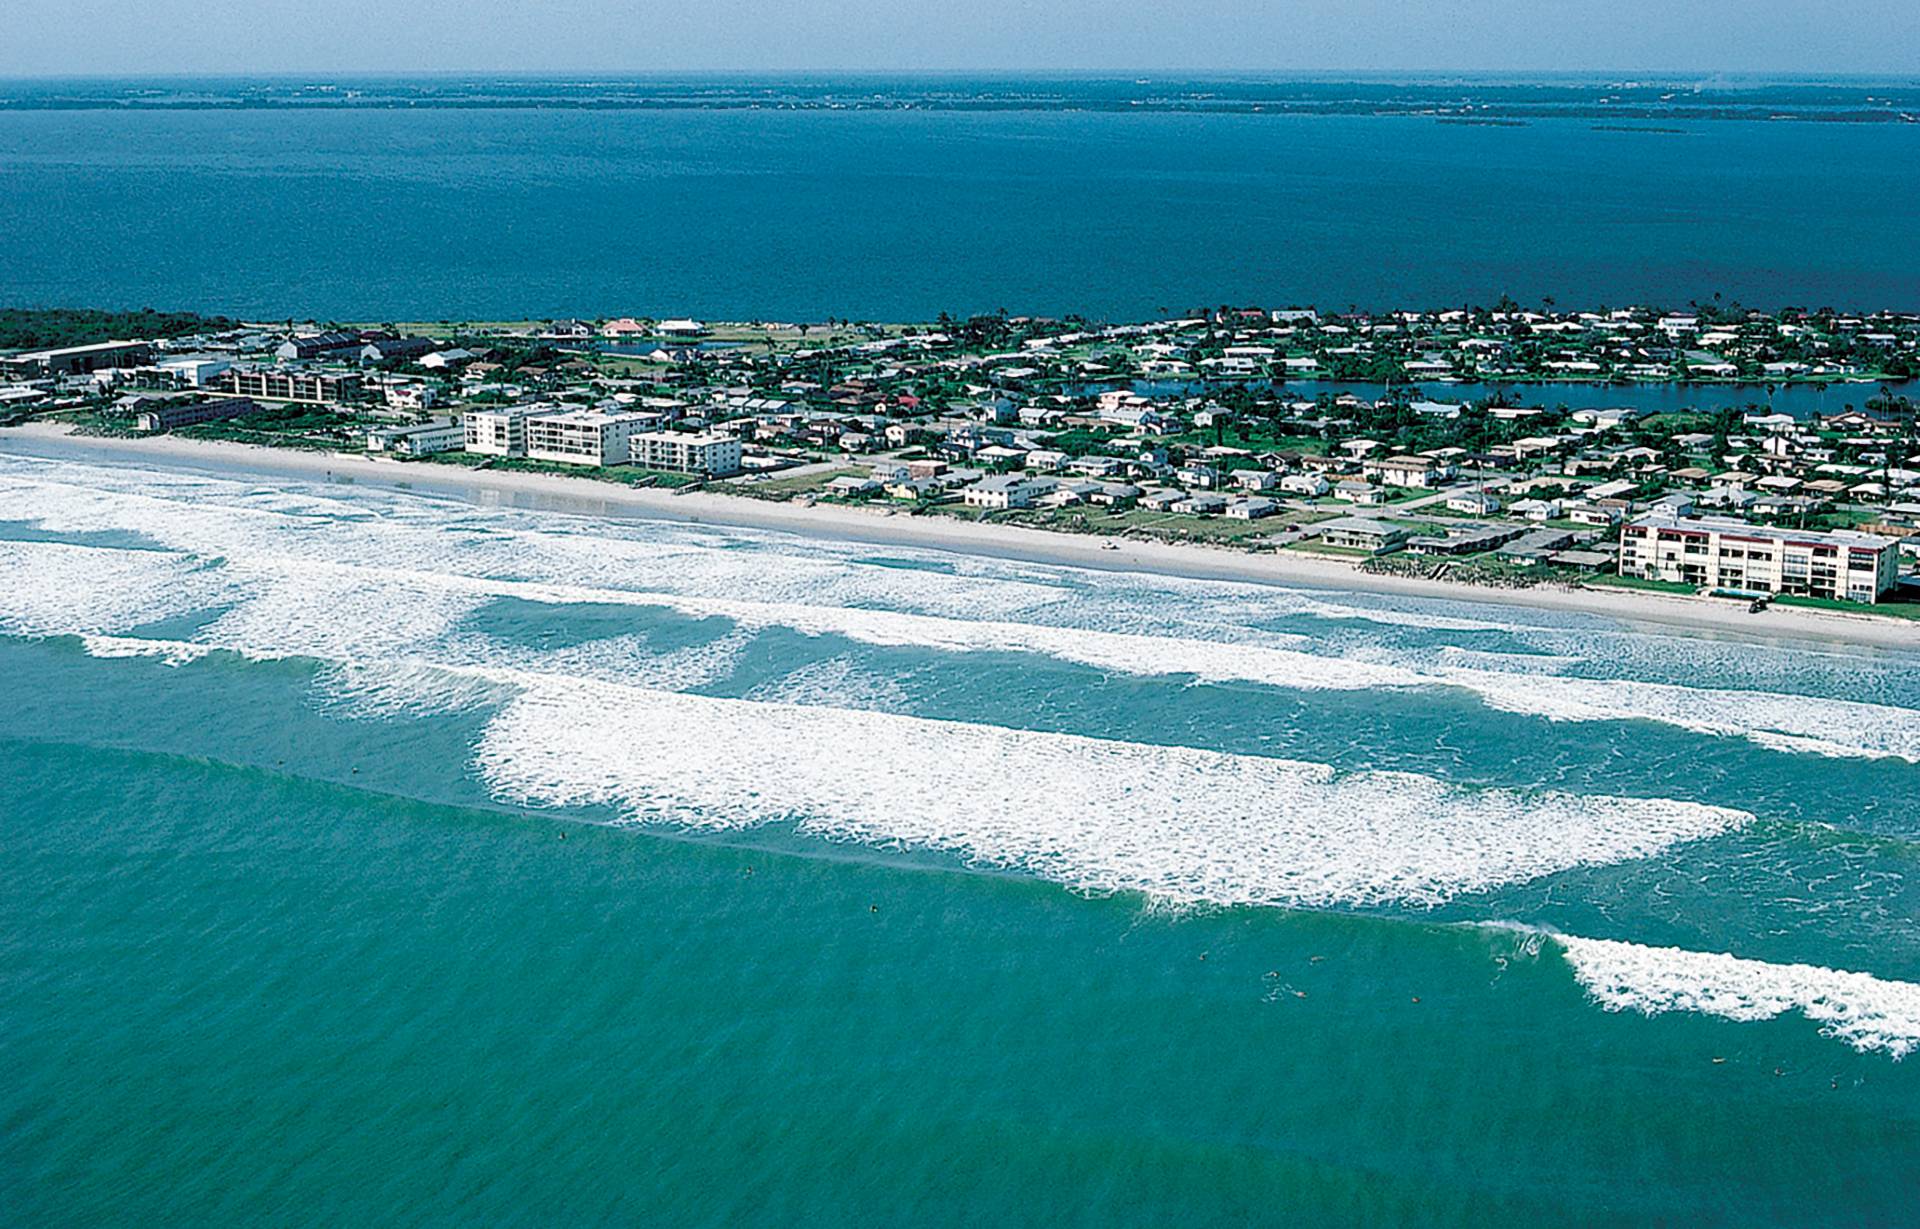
<point x="715" y="456"/>
<point x="497" y="433"/>
<point x="1723" y="553"/>
<point x="583" y="437"/>
<point x="420" y="439"/>
<point x="1420" y="472"/>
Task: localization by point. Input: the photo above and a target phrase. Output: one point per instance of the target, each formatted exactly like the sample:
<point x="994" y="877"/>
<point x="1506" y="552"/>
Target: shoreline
<point x="587" y="496"/>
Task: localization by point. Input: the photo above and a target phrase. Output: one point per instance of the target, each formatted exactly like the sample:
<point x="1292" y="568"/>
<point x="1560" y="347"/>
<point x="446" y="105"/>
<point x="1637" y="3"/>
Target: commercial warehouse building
<point x="78" y="360"/>
<point x="318" y="345"/>
<point x="1723" y="553"/>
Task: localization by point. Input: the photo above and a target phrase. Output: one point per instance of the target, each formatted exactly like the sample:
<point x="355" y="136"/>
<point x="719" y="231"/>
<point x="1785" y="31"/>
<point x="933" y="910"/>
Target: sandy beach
<point x="583" y="495"/>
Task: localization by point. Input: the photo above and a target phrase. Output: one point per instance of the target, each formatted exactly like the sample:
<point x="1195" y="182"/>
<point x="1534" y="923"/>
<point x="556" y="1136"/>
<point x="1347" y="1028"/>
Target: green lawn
<point x="1891" y="609"/>
<point x="1169" y="525"/>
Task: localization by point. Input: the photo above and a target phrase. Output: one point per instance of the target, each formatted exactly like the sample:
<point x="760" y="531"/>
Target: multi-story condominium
<point x="583" y="437"/>
<point x="1723" y="553"/>
<point x="715" y="456"/>
<point x="497" y="433"/>
<point x="310" y="387"/>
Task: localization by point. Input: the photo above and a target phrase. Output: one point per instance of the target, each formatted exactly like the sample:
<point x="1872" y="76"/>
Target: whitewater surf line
<point x="1181" y="824"/>
<point x="334" y="608"/>
<point x="1866" y="1012"/>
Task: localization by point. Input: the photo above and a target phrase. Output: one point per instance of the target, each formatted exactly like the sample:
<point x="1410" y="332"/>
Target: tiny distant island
<point x="1711" y="450"/>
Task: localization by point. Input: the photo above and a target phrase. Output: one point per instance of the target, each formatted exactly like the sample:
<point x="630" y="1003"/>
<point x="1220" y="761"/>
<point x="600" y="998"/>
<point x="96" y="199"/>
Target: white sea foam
<point x="220" y="516"/>
<point x="615" y="659"/>
<point x="296" y="577"/>
<point x="52" y="588"/>
<point x="422" y="536"/>
<point x="1866" y="1012"/>
<point x="331" y="612"/>
<point x="172" y="652"/>
<point x="1777" y="721"/>
<point x="835" y="683"/>
<point x="1178" y="824"/>
<point x="1173" y="822"/>
<point x="285" y="604"/>
<point x="1182" y="826"/>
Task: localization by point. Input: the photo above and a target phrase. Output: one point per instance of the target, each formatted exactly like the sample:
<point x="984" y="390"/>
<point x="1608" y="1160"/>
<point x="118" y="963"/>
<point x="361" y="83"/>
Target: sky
<point x="246" y="37"/>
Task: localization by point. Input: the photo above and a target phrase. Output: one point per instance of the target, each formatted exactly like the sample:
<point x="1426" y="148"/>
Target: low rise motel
<point x="1724" y="553"/>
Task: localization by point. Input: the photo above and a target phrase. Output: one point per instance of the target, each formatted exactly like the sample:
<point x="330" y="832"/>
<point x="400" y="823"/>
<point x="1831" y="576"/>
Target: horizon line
<point x="1337" y="74"/>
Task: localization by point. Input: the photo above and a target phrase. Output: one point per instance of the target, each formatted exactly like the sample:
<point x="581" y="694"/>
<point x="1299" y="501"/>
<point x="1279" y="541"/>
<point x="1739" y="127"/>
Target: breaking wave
<point x="1176" y="823"/>
<point x="290" y="604"/>
<point x="287" y="573"/>
<point x="1866" y="1012"/>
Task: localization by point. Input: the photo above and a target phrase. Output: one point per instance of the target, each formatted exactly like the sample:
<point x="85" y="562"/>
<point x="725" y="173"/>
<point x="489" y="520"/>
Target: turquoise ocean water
<point x="494" y="210"/>
<point x="383" y="857"/>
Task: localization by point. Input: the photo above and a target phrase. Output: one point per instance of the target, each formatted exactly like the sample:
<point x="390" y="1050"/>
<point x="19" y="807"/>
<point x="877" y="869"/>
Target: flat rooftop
<point x="1740" y="528"/>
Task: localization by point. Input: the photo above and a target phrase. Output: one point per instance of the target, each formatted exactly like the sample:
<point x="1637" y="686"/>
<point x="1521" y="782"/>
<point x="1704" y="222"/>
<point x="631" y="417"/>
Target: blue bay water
<point x="383" y="856"/>
<point x="479" y="213"/>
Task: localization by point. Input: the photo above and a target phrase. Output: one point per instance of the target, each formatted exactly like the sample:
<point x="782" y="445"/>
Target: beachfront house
<point x="1004" y="491"/>
<point x="849" y="485"/>
<point x="1252" y="508"/>
<point x="1361" y="533"/>
<point x="1354" y="491"/>
<point x="1201" y="503"/>
<point x="1535" y="509"/>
